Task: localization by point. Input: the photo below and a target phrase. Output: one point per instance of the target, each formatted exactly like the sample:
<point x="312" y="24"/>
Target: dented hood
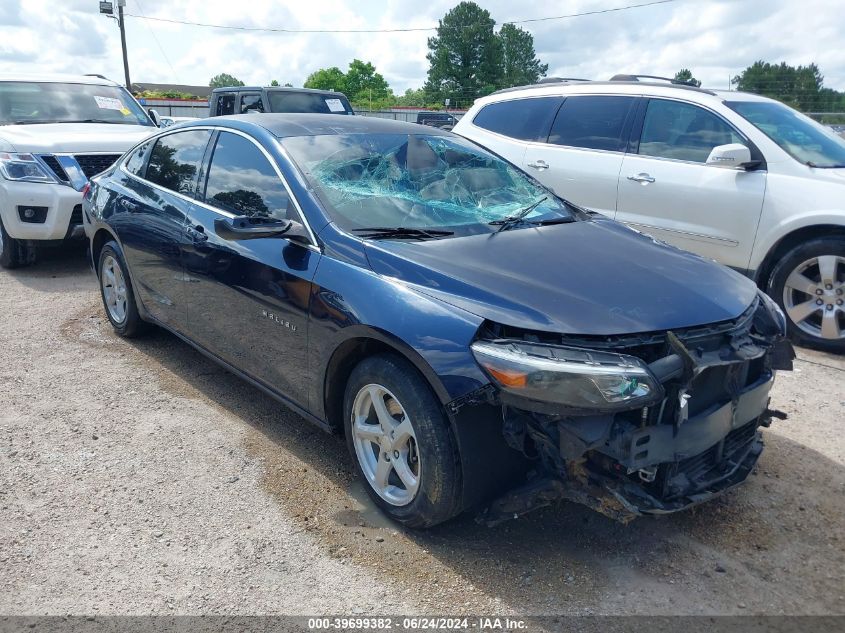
<point x="593" y="277"/>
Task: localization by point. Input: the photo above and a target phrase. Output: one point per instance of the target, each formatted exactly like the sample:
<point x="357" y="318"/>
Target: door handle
<point x="642" y="178"/>
<point x="197" y="233"/>
<point x="127" y="204"/>
<point x="539" y="165"/>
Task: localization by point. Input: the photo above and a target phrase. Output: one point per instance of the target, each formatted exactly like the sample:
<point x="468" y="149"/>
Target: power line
<point x="149" y="28"/>
<point x="407" y="30"/>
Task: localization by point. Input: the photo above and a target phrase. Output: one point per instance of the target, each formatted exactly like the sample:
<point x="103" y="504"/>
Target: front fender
<point x="771" y="235"/>
<point x="351" y="302"/>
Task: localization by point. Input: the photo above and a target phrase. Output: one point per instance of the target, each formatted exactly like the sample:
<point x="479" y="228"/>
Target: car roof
<point x="647" y="88"/>
<point x="278" y="89"/>
<point x="57" y="78"/>
<point x="282" y="125"/>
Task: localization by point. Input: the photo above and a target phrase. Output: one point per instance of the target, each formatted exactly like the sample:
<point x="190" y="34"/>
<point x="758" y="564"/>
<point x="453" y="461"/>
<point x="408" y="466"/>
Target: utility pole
<point x="120" y="20"/>
<point x="107" y="8"/>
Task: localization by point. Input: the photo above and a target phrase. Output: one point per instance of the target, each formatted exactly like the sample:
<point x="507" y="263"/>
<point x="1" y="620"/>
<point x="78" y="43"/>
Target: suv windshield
<point x="419" y="181"/>
<point x="37" y="102"/>
<point x="798" y="135"/>
<point x="307" y="102"/>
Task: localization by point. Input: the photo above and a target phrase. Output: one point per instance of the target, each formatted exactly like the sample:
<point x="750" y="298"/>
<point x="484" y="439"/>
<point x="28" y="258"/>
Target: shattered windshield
<point x="419" y="181"/>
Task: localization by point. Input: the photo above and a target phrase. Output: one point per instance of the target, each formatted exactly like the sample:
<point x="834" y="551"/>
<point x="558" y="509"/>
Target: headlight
<point x="23" y="167"/>
<point x="572" y="377"/>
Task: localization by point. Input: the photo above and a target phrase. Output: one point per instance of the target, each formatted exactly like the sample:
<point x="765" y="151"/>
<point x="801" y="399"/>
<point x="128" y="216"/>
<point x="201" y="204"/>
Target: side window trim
<point x="756" y="154"/>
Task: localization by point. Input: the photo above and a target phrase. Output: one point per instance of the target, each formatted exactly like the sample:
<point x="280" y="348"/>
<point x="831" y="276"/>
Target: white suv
<point x="56" y="131"/>
<point x="736" y="177"/>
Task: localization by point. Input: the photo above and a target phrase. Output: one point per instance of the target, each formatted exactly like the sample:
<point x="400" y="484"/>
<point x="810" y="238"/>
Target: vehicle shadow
<point x="57" y="269"/>
<point x="756" y="550"/>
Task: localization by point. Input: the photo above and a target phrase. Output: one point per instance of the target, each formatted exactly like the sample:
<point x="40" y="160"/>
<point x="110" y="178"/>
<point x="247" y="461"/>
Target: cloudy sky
<point x="714" y="38"/>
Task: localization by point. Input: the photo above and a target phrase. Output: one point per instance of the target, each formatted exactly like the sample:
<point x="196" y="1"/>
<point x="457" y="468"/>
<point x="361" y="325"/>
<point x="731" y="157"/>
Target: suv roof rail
<point x="671" y="80"/>
<point x="97" y="75"/>
<point x="554" y="80"/>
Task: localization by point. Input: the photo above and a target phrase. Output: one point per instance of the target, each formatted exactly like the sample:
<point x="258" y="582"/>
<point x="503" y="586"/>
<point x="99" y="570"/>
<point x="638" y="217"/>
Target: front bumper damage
<point x="702" y="439"/>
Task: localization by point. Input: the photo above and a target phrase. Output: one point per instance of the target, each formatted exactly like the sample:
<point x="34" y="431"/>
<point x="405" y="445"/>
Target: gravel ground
<point x="136" y="477"/>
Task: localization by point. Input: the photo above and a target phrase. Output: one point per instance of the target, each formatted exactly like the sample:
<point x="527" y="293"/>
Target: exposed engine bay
<point x="701" y="396"/>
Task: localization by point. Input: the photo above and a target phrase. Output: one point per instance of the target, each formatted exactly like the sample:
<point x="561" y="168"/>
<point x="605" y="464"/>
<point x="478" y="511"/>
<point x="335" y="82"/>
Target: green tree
<point x="274" y="83"/>
<point x="327" y="79"/>
<point x="224" y="80"/>
<point x="363" y="84"/>
<point x="685" y="75"/>
<point x="465" y="56"/>
<point x="520" y="65"/>
<point x="797" y="86"/>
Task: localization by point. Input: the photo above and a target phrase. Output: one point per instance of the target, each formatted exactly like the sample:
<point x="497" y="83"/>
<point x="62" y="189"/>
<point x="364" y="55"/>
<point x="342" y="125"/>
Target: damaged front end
<point x="636" y="424"/>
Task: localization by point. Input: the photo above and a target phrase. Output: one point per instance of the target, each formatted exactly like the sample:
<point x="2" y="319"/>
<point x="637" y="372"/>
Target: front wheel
<point x="399" y="437"/>
<point x="809" y="284"/>
<point x="116" y="291"/>
<point x="14" y="253"/>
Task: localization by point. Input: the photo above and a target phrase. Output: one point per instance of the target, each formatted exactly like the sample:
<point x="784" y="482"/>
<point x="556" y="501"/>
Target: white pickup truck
<point x="56" y="131"/>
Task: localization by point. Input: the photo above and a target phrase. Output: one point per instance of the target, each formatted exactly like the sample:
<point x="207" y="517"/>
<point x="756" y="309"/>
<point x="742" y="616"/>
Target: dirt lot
<point x="137" y="477"/>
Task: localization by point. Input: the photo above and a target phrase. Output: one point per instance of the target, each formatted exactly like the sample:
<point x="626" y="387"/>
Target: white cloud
<point x="714" y="38"/>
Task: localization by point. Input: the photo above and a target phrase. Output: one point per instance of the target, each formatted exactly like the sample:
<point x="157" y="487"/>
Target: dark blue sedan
<point x="477" y="339"/>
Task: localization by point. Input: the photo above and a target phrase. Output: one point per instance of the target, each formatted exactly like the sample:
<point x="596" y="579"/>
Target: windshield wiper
<point x="401" y="232"/>
<point x="810" y="163"/>
<point x="513" y="220"/>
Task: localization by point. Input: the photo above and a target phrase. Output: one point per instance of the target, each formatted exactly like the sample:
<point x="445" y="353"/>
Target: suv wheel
<point x="809" y="284"/>
<point x="116" y="291"/>
<point x="399" y="437"/>
<point x="14" y="253"/>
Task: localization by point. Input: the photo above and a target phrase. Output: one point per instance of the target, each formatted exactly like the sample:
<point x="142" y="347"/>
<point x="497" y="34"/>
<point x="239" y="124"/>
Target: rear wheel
<point x="809" y="284"/>
<point x="14" y="253"/>
<point x="399" y="437"/>
<point x="116" y="291"/>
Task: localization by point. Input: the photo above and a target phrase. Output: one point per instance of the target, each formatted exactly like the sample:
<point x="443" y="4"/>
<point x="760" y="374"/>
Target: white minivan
<point x="736" y="177"/>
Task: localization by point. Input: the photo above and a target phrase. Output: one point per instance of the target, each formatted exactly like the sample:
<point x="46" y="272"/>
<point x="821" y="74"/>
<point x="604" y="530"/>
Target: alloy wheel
<point x="114" y="289"/>
<point x="814" y="297"/>
<point x="386" y="445"/>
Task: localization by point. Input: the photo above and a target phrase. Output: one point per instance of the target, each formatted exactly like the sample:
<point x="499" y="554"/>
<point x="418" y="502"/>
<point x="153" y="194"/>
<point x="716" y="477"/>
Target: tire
<point x="14" y="253"/>
<point x="428" y="453"/>
<point x="815" y="314"/>
<point x="116" y="292"/>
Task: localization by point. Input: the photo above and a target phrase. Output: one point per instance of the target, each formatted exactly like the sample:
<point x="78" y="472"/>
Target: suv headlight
<point x="572" y="377"/>
<point x="23" y="167"/>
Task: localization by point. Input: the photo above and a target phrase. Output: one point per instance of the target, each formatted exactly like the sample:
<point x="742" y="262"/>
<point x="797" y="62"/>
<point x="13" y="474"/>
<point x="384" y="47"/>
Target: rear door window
<point x="522" y="119"/>
<point x="242" y="181"/>
<point x="682" y="131"/>
<point x="175" y="160"/>
<point x="593" y="122"/>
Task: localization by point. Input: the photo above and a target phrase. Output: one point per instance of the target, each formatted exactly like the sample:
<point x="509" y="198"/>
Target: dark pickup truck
<point x="243" y="99"/>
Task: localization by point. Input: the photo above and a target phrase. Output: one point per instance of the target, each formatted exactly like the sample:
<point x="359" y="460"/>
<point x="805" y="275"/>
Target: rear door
<point x="666" y="190"/>
<point x="151" y="217"/>
<point x="249" y="299"/>
<point x="581" y="158"/>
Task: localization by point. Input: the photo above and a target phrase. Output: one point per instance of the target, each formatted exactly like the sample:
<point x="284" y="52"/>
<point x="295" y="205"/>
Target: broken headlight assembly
<point x="569" y="378"/>
<point x="22" y="167"/>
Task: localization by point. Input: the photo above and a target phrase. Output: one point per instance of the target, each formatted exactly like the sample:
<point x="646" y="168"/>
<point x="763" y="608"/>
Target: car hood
<point x="593" y="277"/>
<point x="73" y="137"/>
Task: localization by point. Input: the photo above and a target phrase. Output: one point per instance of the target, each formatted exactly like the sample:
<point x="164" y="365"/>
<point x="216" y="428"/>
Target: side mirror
<point x="732" y="156"/>
<point x="245" y="228"/>
<point x="155" y="117"/>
